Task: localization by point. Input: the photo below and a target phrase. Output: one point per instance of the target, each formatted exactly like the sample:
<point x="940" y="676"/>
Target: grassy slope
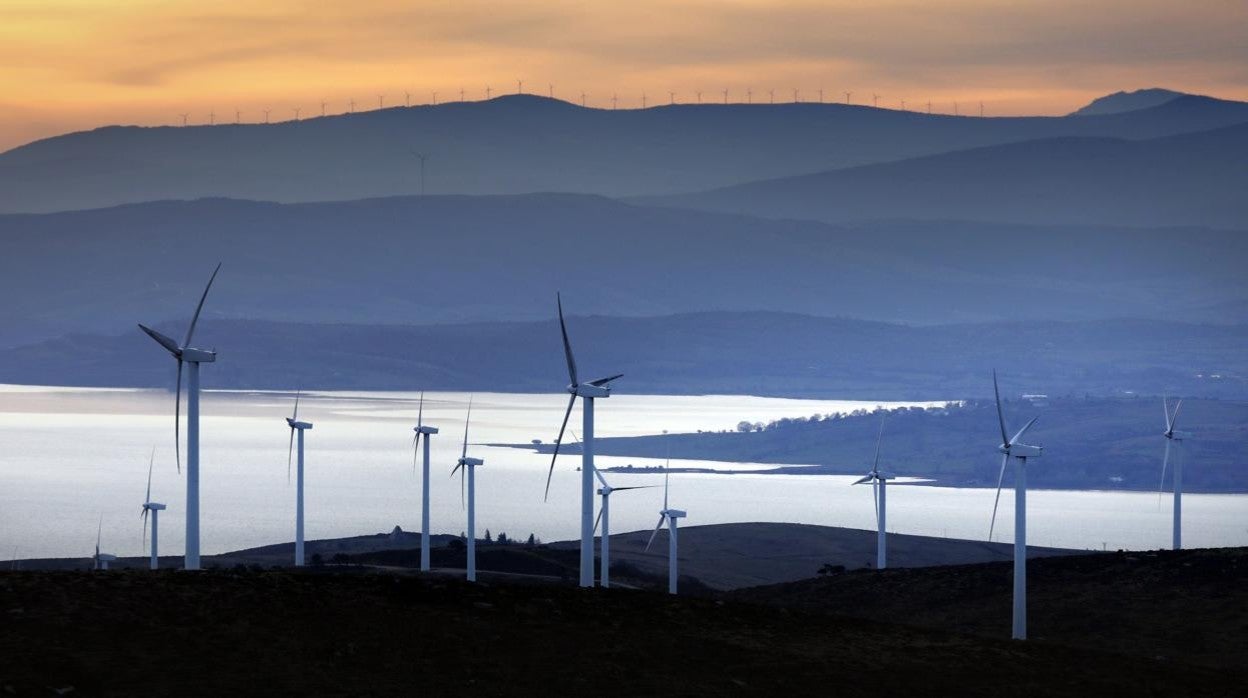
<point x="221" y="632"/>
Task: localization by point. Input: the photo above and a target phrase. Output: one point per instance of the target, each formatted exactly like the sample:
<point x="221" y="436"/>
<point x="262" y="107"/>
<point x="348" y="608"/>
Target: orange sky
<point x="72" y="64"/>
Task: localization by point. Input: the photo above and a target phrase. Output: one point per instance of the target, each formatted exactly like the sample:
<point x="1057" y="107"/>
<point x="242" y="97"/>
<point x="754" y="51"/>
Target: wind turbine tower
<point x="1013" y="447"/>
<point x="297" y="426"/>
<point x="879" y="483"/>
<point x="184" y="353"/>
<point x="604" y="517"/>
<point x="590" y="391"/>
<point x="671" y="516"/>
<point x="847" y="96"/>
<point x="469" y="466"/>
<point x="153" y="508"/>
<point x="1176" y="438"/>
<point x="422" y="429"/>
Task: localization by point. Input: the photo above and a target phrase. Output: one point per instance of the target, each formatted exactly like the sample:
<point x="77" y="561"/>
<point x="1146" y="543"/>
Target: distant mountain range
<point x="524" y="144"/>
<point x="429" y="260"/>
<point x="1193" y="178"/>
<point x="1120" y="102"/>
<point x="758" y="353"/>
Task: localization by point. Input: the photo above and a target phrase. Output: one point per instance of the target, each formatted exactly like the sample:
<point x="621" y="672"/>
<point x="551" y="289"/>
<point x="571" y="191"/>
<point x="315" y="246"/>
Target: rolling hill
<point x="452" y="259"/>
<point x="522" y="144"/>
<point x="1195" y="179"/>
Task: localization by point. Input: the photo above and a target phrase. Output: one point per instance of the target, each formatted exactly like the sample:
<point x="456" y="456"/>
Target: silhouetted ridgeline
<point x="742" y="353"/>
<point x="1089" y="443"/>
<point x="524" y="143"/>
<point x="425" y="260"/>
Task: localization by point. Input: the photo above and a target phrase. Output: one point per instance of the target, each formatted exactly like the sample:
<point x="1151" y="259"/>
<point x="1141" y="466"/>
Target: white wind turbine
<point x="100" y="560"/>
<point x="589" y="391"/>
<point x="153" y="508"/>
<point x="469" y="465"/>
<point x="1021" y="452"/>
<point x="879" y="484"/>
<point x="184" y="353"/>
<point x="670" y="516"/>
<point x="297" y="426"/>
<point x="604" y="517"/>
<point x="422" y="430"/>
<point x="1175" y="437"/>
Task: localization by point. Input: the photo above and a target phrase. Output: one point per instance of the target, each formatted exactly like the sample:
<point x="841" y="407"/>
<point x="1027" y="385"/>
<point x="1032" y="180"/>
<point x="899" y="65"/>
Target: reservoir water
<point x="69" y="456"/>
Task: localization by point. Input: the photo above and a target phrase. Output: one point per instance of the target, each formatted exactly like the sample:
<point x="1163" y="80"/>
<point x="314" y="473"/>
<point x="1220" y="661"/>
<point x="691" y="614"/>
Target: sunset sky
<point x="72" y="64"/>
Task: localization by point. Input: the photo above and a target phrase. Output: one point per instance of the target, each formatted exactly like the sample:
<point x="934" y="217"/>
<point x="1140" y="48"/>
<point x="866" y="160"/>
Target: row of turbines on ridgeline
<point x="954" y="108"/>
<point x="589" y="391"/>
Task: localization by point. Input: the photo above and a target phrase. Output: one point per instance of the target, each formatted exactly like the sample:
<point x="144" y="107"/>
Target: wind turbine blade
<point x="558" y="441"/>
<point x="1022" y="431"/>
<point x="637" y="487"/>
<point x="667" y="469"/>
<point x="598" y="520"/>
<point x="150" y="462"/>
<point x="415" y="451"/>
<point x="604" y="482"/>
<point x="1174" y="418"/>
<point x="420" y="413"/>
<point x="98" y="531"/>
<point x="177" y="419"/>
<point x="875" y="498"/>
<point x="1165" y="408"/>
<point x="567" y="346"/>
<point x="603" y="381"/>
<point x="190" y="331"/>
<point x="875" y="466"/>
<point x="1005" y="438"/>
<point x="1165" y="461"/>
<point x="662" y="518"/>
<point x="145" y="510"/>
<point x="166" y="342"/>
<point x="865" y="478"/>
<point x="289" y="452"/>
<point x="464" y="453"/>
<point x="463" y="474"/>
<point x="1005" y="457"/>
<point x="295" y="416"/>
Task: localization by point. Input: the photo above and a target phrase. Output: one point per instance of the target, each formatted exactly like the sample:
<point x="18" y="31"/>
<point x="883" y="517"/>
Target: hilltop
<point x="522" y="144"/>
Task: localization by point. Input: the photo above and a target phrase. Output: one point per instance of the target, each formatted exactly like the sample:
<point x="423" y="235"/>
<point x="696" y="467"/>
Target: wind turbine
<point x="470" y="466"/>
<point x="671" y="96"/>
<point x="266" y="115"/>
<point x="771" y="96"/>
<point x="487" y="92"/>
<point x="100" y="560"/>
<point x="435" y="98"/>
<point x="725" y="96"/>
<point x="323" y="105"/>
<point x="795" y="93"/>
<point x="407" y="99"/>
<point x="699" y="93"/>
<point x="1012" y="447"/>
<point x="600" y="388"/>
<point x="670" y="516"/>
<point x="519" y="87"/>
<point x="154" y="508"/>
<point x="604" y="517"/>
<point x="749" y="95"/>
<point x="615" y="99"/>
<point x="381" y="101"/>
<point x="1175" y="437"/>
<point x="184" y="117"/>
<point x="426" y="431"/>
<point x="422" y="157"/>
<point x="185" y="354"/>
<point x="297" y="426"/>
<point x="583" y="99"/>
<point x="212" y="118"/>
<point x="297" y="110"/>
<point x="875" y="100"/>
<point x="879" y="484"/>
<point x="847" y="96"/>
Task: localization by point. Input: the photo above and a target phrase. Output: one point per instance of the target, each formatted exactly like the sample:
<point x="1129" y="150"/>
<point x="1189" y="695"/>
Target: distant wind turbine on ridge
<point x="590" y="391"/>
<point x="426" y="431"/>
<point x="184" y="353"/>
<point x="879" y="483"/>
<point x="604" y="517"/>
<point x="297" y="426"/>
<point x="100" y="560"/>
<point x="1014" y="448"/>
<point x="468" y="467"/>
<point x="153" y="508"/>
<point x="1176" y="438"/>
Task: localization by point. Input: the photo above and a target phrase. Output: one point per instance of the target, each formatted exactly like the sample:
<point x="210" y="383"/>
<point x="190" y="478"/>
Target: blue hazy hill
<point x="1119" y="102"/>
<point x="439" y="259"/>
<point x="522" y="144"/>
<point x="1195" y="178"/>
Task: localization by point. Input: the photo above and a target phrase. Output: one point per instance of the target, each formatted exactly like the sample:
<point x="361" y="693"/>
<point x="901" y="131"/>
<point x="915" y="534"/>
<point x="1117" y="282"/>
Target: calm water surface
<point x="68" y="456"/>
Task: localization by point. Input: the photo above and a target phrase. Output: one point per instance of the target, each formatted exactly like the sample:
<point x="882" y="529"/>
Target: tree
<point x="532" y="540"/>
<point x="502" y="538"/>
<point x="744" y="426"/>
<point x="487" y="536"/>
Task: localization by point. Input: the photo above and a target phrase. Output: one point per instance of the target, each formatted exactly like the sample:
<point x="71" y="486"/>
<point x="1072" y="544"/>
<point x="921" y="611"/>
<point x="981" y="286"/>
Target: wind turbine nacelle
<point x="298" y="425"/>
<point x="674" y="513"/>
<point x="154" y="506"/>
<point x="1024" y="451"/>
<point x="425" y="430"/>
<point x="587" y="390"/>
<point x="471" y="461"/>
<point x="199" y="356"/>
<point x="1179" y="435"/>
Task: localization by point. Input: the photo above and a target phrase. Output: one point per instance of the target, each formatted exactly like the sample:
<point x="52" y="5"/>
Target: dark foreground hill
<point x="1175" y="606"/>
<point x="222" y="632"/>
